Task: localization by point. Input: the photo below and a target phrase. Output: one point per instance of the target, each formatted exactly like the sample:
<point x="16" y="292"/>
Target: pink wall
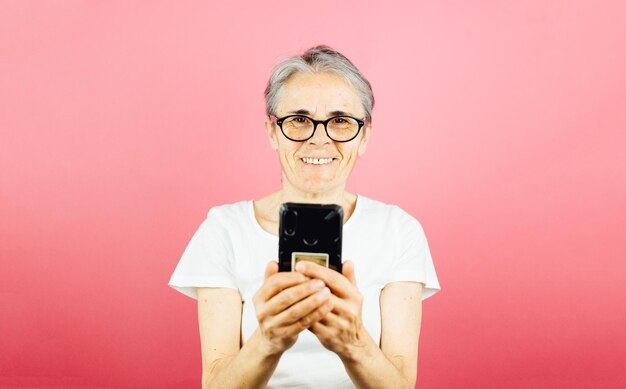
<point x="501" y="127"/>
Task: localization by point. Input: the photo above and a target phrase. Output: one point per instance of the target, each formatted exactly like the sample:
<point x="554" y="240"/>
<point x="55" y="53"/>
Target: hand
<point x="341" y="330"/>
<point x="288" y="303"/>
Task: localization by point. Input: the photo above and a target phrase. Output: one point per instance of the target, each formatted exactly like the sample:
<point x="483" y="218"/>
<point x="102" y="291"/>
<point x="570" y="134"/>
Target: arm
<point x="394" y="365"/>
<point x="224" y="365"/>
<point x="285" y="305"/>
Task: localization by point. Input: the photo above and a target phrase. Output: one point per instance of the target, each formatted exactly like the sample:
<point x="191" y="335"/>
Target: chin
<point x="318" y="186"/>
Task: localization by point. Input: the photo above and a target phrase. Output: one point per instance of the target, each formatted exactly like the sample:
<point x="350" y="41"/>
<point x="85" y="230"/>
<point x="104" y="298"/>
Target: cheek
<point x="287" y="151"/>
<point x="349" y="153"/>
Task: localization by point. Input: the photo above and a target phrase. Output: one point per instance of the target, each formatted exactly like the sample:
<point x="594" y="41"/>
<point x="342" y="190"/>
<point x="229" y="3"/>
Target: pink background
<point x="499" y="125"/>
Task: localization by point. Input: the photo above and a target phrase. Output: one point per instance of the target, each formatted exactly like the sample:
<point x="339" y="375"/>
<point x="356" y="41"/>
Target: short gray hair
<point x="320" y="58"/>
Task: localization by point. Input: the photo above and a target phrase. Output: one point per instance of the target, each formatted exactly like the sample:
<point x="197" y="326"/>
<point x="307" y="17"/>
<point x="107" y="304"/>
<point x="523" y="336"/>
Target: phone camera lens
<point x="291" y="222"/>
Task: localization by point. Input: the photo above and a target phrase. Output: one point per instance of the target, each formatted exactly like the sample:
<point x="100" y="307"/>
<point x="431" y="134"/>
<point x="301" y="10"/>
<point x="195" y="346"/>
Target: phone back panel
<point x="311" y="231"/>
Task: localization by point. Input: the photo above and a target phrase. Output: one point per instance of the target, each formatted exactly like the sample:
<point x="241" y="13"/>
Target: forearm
<point x="368" y="367"/>
<point x="252" y="367"/>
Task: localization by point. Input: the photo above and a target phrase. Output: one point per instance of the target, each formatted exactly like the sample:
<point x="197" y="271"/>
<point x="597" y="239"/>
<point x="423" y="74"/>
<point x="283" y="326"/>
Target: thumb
<point x="347" y="269"/>
<point x="271" y="268"/>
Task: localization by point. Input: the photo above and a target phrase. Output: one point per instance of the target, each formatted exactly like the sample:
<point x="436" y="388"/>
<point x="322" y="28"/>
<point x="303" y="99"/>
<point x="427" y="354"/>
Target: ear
<point x="367" y="132"/>
<point x="271" y="128"/>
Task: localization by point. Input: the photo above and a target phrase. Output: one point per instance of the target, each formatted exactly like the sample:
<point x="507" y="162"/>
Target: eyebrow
<point x="333" y="113"/>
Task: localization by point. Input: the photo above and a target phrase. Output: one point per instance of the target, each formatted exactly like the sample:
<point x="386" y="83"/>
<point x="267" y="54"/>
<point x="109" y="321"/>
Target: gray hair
<point x="320" y="58"/>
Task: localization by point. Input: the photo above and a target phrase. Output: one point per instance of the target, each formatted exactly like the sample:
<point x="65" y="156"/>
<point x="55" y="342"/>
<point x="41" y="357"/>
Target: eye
<point x="339" y="120"/>
<point x="300" y="119"/>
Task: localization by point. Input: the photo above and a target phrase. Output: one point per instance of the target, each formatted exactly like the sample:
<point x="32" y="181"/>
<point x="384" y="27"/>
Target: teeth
<point x="317" y="161"/>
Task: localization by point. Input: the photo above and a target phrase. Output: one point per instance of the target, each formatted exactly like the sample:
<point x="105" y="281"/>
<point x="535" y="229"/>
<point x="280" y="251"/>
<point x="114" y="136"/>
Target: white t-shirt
<point x="230" y="249"/>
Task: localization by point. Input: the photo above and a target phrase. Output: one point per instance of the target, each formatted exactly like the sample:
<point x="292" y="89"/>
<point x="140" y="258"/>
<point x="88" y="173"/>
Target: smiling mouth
<point x="317" y="161"/>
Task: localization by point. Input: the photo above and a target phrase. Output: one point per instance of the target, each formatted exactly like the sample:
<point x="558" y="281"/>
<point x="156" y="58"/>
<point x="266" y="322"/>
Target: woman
<point x="313" y="327"/>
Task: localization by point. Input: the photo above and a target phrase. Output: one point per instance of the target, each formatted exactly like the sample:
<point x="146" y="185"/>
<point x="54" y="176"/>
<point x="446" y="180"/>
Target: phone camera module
<point x="291" y="221"/>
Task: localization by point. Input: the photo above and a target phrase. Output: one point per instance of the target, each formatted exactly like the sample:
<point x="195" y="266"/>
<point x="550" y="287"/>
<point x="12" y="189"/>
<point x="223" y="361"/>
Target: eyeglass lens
<point x="340" y="128"/>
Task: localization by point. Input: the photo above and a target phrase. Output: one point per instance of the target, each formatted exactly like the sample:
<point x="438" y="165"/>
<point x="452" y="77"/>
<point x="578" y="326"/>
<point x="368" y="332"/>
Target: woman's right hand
<point x="288" y="303"/>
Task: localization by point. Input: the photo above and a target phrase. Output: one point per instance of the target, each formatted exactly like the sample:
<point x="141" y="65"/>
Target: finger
<point x="275" y="283"/>
<point x="270" y="269"/>
<point x="322" y="330"/>
<point x="347" y="269"/>
<point x="342" y="307"/>
<point x="334" y="280"/>
<point x="317" y="314"/>
<point x="290" y="296"/>
<point x="333" y="320"/>
<point x="301" y="309"/>
<point x="299" y="326"/>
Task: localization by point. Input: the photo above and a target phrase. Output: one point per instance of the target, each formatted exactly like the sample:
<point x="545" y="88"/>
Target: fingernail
<point x="325" y="292"/>
<point x="318" y="284"/>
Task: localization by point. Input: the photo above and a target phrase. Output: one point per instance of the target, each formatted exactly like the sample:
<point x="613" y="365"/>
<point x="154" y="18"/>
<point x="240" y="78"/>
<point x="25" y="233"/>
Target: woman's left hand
<point x="341" y="330"/>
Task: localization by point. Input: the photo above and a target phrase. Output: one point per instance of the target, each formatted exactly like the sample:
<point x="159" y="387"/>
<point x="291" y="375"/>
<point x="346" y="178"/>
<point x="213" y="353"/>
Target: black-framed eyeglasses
<point x="300" y="128"/>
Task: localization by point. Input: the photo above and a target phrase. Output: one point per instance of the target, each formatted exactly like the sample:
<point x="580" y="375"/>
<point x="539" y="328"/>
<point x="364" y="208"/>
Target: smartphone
<point x="310" y="232"/>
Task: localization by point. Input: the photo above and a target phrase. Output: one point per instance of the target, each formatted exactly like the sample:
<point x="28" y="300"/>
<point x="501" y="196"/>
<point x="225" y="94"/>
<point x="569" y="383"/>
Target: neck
<point x="337" y="196"/>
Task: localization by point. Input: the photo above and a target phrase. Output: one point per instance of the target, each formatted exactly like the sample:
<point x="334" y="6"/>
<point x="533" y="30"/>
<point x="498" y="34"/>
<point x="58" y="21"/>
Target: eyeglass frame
<point x="280" y="121"/>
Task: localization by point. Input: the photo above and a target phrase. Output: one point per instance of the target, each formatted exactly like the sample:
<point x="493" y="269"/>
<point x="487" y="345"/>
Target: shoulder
<point x="374" y="208"/>
<point x="228" y="215"/>
<point x="390" y="213"/>
<point x="238" y="208"/>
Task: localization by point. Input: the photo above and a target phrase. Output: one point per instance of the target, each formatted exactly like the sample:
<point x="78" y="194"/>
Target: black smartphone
<point x="310" y="232"/>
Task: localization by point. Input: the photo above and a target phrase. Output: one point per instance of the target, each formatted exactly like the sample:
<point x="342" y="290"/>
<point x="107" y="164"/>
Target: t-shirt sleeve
<point x="207" y="260"/>
<point x="413" y="261"/>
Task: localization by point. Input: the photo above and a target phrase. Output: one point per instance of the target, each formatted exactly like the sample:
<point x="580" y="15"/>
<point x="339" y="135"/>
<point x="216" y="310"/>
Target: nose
<point x="319" y="135"/>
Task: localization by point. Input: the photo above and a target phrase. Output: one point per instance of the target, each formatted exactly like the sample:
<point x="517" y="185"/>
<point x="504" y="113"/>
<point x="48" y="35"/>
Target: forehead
<point x="319" y="94"/>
